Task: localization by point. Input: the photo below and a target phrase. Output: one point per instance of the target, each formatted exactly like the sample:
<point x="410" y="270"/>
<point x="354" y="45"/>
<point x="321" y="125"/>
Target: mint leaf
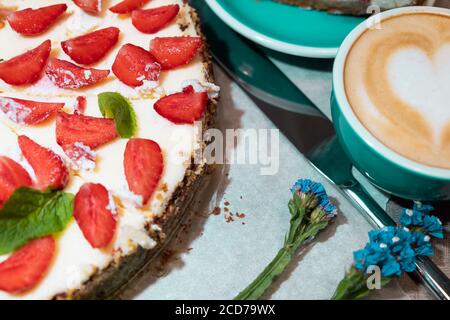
<point x="114" y="105"/>
<point x="30" y="214"/>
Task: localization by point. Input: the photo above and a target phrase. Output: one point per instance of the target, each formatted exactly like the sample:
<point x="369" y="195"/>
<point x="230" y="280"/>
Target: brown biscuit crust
<point x="350" y="7"/>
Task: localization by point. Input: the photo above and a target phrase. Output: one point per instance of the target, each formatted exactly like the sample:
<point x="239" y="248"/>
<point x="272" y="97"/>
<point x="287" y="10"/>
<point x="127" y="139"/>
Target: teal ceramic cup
<point x="385" y="168"/>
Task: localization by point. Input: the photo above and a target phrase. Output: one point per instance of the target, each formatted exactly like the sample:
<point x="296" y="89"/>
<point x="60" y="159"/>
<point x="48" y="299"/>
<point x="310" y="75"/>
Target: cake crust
<point x="351" y="7"/>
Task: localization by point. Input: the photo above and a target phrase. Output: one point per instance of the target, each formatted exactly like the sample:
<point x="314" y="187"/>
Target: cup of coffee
<point x="391" y="101"/>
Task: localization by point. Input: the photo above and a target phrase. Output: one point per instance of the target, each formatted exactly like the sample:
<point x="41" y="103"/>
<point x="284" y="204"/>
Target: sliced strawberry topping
<point x="23" y="270"/>
<point x="172" y="52"/>
<point x="82" y="157"/>
<point x="49" y="168"/>
<point x="67" y="75"/>
<point x="94" y="215"/>
<point x="133" y="65"/>
<point x="153" y="20"/>
<point x="91" y="6"/>
<point x="25" y="68"/>
<point x="144" y="164"/>
<point x="184" y="107"/>
<point x="12" y="177"/>
<point x="80" y="105"/>
<point x="90" y="131"/>
<point x="91" y="47"/>
<point x="31" y="22"/>
<point x="127" y="6"/>
<point x="27" y="111"/>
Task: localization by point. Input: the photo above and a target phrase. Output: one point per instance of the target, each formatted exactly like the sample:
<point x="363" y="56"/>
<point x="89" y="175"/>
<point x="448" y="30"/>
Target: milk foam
<point x="397" y="81"/>
<point x="424" y="84"/>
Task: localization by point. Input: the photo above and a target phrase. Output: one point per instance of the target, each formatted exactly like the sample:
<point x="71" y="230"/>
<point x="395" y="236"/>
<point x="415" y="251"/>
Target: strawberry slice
<point x="133" y="65"/>
<point x="91" y="47"/>
<point x="90" y="6"/>
<point x="153" y="20"/>
<point x="49" y="168"/>
<point x="27" y="111"/>
<point x="90" y="131"/>
<point x="94" y="215"/>
<point x="127" y="6"/>
<point x="23" y="270"/>
<point x="143" y="164"/>
<point x="12" y="177"/>
<point x="25" y="68"/>
<point x="67" y="75"/>
<point x="31" y="22"/>
<point x="172" y="52"/>
<point x="80" y="105"/>
<point x="81" y="156"/>
<point x="184" y="107"/>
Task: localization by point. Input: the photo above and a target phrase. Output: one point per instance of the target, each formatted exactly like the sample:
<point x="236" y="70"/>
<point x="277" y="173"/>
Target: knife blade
<point x="250" y="68"/>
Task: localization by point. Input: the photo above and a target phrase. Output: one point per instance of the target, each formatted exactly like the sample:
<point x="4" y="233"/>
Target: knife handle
<point x="426" y="271"/>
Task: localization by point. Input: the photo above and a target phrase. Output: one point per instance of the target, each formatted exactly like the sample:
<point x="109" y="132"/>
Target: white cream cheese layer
<point x="75" y="260"/>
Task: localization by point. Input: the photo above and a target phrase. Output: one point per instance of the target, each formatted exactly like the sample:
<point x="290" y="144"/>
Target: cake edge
<point x="340" y="8"/>
<point x="109" y="282"/>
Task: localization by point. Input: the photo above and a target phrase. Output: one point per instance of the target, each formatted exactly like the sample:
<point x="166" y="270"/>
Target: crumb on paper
<point x="228" y="219"/>
<point x="216" y="211"/>
<point x="240" y="215"/>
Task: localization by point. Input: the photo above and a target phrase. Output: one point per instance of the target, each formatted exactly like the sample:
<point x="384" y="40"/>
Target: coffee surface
<point x="397" y="81"/>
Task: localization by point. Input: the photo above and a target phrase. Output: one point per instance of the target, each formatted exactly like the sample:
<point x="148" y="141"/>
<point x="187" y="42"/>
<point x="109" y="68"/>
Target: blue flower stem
<point x="354" y="286"/>
<point x="310" y="212"/>
<point x="257" y="288"/>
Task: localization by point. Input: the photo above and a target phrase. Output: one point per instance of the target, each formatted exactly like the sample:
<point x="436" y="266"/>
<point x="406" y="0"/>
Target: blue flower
<point x="391" y="249"/>
<point x="411" y="217"/>
<point x="313" y="193"/>
<point x="328" y="207"/>
<point x="390" y="267"/>
<point x="360" y="259"/>
<point x="422" y="244"/>
<point x="407" y="259"/>
<point x="423" y="208"/>
<point x="419" y="218"/>
<point x="400" y="240"/>
<point x="382" y="235"/>
<point x="433" y="226"/>
<point x="306" y="186"/>
<point x="395" y="238"/>
<point x="376" y="254"/>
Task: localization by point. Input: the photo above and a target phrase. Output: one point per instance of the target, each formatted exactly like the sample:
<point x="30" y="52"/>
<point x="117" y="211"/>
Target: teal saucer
<point x="285" y="28"/>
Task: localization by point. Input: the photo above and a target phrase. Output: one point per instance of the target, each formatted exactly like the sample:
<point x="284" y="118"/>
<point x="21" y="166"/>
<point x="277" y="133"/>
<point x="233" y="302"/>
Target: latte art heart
<point x="397" y="81"/>
<point x="423" y="82"/>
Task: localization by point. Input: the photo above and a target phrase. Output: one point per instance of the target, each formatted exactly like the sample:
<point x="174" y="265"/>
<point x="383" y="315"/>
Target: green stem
<point x="257" y="288"/>
<point x="354" y="286"/>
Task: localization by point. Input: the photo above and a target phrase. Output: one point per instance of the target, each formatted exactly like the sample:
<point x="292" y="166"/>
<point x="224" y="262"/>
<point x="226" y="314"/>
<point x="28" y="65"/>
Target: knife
<point x="250" y="68"/>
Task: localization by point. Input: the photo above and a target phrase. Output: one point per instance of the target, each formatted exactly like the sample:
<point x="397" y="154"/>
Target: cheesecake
<point x="100" y="105"/>
<point x="352" y="7"/>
